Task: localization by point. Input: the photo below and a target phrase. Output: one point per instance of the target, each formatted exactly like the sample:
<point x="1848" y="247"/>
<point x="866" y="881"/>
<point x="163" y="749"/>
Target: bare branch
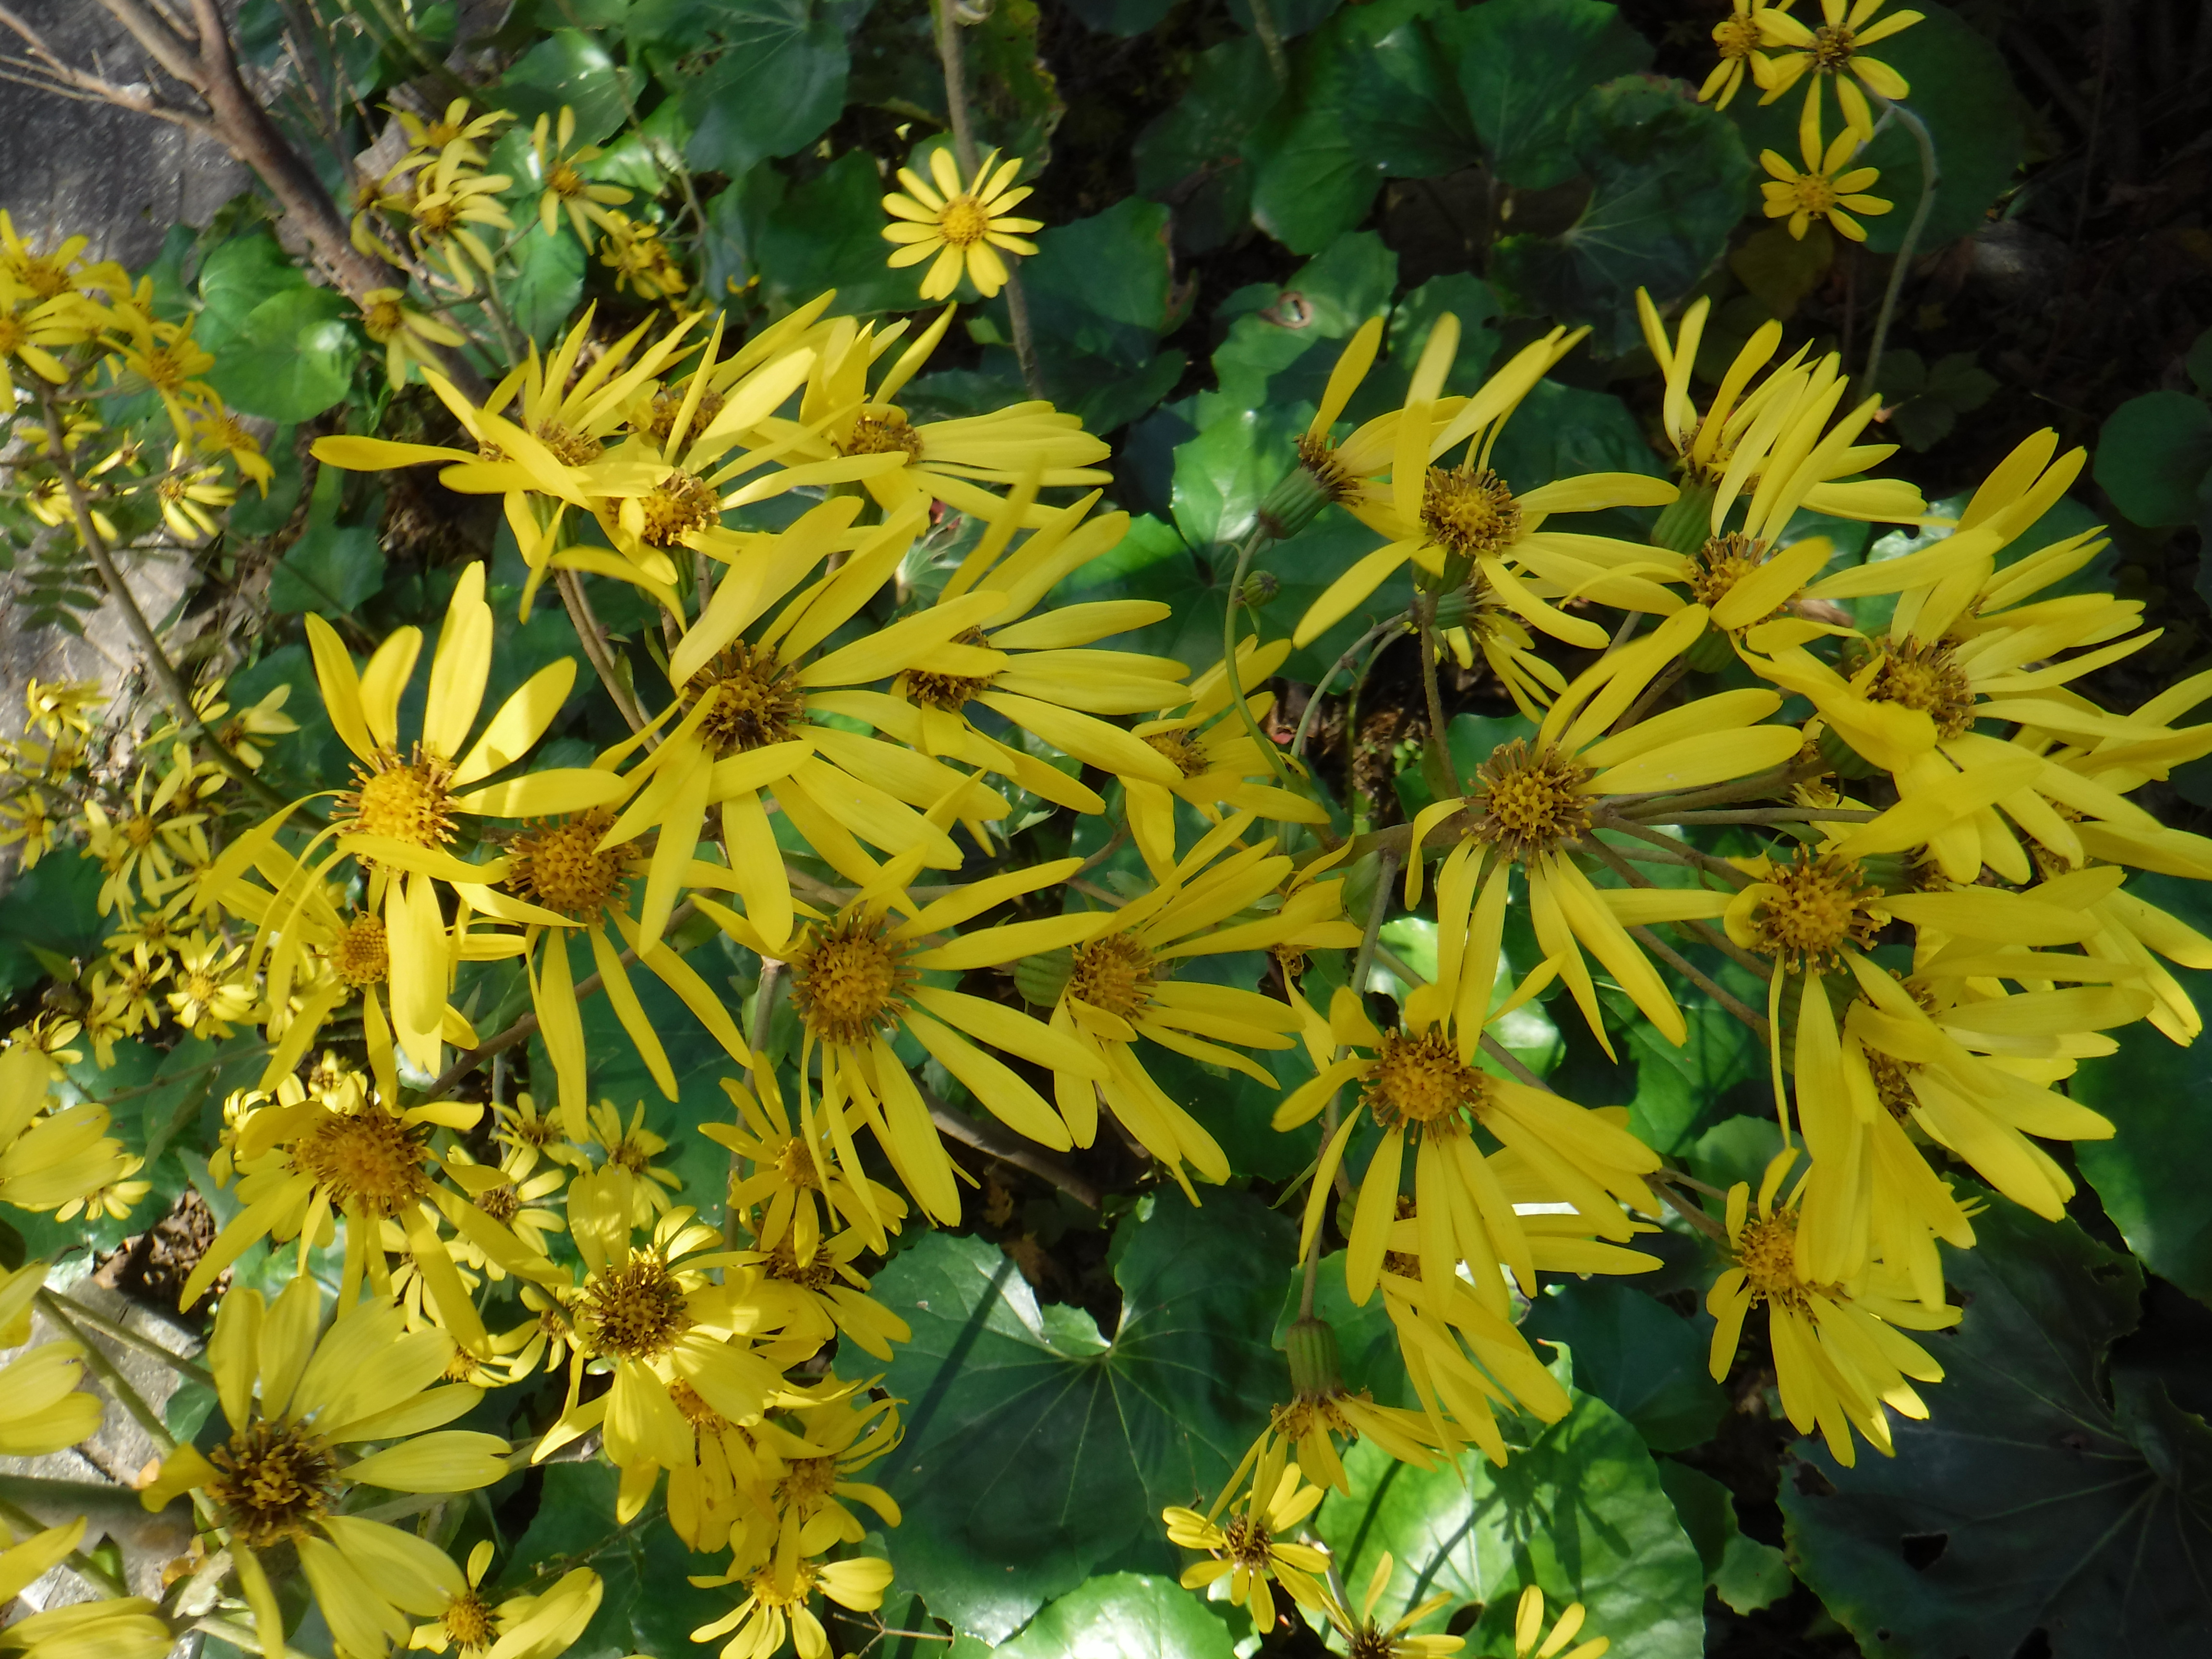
<point x="162" y="44"/>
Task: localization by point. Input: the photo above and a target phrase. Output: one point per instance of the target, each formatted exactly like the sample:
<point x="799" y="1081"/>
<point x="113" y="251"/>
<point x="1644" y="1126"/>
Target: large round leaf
<point x="292" y="357"/>
<point x="1524" y="64"/>
<point x="2154" y="455"/>
<point x="2040" y="1496"/>
<point x="1035" y="1448"/>
<point x="1578" y="1509"/>
<point x="1124" y="1616"/>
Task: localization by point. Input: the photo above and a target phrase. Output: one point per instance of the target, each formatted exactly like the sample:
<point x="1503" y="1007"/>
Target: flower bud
<point x="1259" y="588"/>
<point x="1290" y="506"/>
<point x="1043" y="977"/>
<point x="1310" y="1345"/>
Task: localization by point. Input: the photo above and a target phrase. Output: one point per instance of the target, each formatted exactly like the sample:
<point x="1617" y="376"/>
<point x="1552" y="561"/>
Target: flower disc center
<point x="635" y="1311"/>
<point x="1811" y="911"/>
<point x="362" y="955"/>
<point x="1184" y="748"/>
<point x="883" y="433"/>
<point x="558" y="865"/>
<point x="679" y="504"/>
<point x="1115" y="973"/>
<point x="1420" y="1079"/>
<point x="272" y="1479"/>
<point x="1470" y="512"/>
<point x="846" y="982"/>
<point x="964" y="222"/>
<point x="369" y="1161"/>
<point x="408" y="800"/>
<point x="1531" y="804"/>
<point x="756" y="700"/>
<point x="1927" y="677"/>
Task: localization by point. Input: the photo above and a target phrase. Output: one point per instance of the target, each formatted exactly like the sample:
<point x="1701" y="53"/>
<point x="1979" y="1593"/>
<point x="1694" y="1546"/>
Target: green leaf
<point x="548" y="280"/>
<point x="1560" y="431"/>
<point x="1268" y="358"/>
<point x="646" y="1605"/>
<point x="1037" y="1449"/>
<point x="1780" y="270"/>
<point x="2031" y="1500"/>
<point x="756" y="78"/>
<point x="570" y="68"/>
<point x="1927" y="399"/>
<point x="1099" y="300"/>
<point x="236" y="278"/>
<point x="1669" y="181"/>
<point x="826" y="233"/>
<point x="1523" y="66"/>
<point x="53" y="906"/>
<point x="1124" y="1616"/>
<point x="292" y="358"/>
<point x="1125" y="18"/>
<point x="2153" y="1089"/>
<point x="1578" y="1509"/>
<point x="1403" y="110"/>
<point x="2153" y="455"/>
<point x="1191" y="156"/>
<point x="1310" y="184"/>
<point x="1643" y="1359"/>
<point x="1747" y="1574"/>
<point x="1222" y="475"/>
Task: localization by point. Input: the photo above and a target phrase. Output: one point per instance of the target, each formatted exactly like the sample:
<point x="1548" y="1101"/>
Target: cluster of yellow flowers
<point x="1779" y="51"/>
<point x="436" y="211"/>
<point x="858" y="703"/>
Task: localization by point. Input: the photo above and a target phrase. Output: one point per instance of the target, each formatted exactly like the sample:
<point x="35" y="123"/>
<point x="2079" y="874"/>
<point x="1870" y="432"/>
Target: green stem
<point x="1251" y="544"/>
<point x="952" y="59"/>
<point x="103" y="1367"/>
<point x="1378" y="908"/>
<point x="76" y="1561"/>
<point x="1930" y="176"/>
<point x="1270" y="41"/>
<point x="1425" y="607"/>
<point x="1341" y="666"/>
<point x="145" y="1345"/>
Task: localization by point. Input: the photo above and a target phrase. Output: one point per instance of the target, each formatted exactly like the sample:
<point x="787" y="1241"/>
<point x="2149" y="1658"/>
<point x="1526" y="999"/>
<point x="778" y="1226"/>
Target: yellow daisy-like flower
<point x="960" y="227"/>
<point x="407" y="336"/>
<point x="1121" y="988"/>
<point x="1534" y="804"/>
<point x="1453" y="522"/>
<point x="775" y="1608"/>
<point x="41" y="1408"/>
<point x="567" y="187"/>
<point x="186" y="493"/>
<point x="1823" y="190"/>
<point x="1838" y="1357"/>
<point x="795" y="1193"/>
<point x="301" y="1399"/>
<point x="118" y="1627"/>
<point x="1530" y="1641"/>
<point x="60" y="270"/>
<point x="1835" y="47"/>
<point x="32" y="329"/>
<point x="1365" y="1636"/>
<point x="856" y="982"/>
<point x="453" y="127"/>
<point x="405" y="810"/>
<point x="516" y="1627"/>
<point x="643" y="263"/>
<point x="826" y="1296"/>
<point x="1736" y="39"/>
<point x="451" y="205"/>
<point x="214" y="989"/>
<point x="1254" y="1545"/>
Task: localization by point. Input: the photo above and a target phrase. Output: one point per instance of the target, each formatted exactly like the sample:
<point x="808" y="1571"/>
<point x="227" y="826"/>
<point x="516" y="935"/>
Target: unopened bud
<point x="1685" y="523"/>
<point x="1259" y="588"/>
<point x="1359" y="885"/>
<point x="1043" y="977"/>
<point x="1709" y="652"/>
<point x="1316" y="1373"/>
<point x="1845" y="761"/>
<point x="1290" y="506"/>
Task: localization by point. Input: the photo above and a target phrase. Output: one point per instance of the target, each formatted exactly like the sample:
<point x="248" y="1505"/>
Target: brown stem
<point x="988" y="1137"/>
<point x="1425" y="607"/>
<point x="1689" y="970"/>
<point x="1760" y="786"/>
<point x="1770" y="815"/>
<point x="1694" y="1214"/>
<point x="1682" y="851"/>
<point x="596" y="647"/>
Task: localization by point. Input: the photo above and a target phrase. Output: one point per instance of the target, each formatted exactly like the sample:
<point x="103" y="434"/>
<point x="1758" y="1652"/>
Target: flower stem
<point x="1270" y="41"/>
<point x="1342" y="665"/>
<point x="953" y="58"/>
<point x="157" y="660"/>
<point x="1250" y="546"/>
<point x="1425" y="607"/>
<point x="145" y="1345"/>
<point x="599" y="649"/>
<point x="1930" y="176"/>
<point x="76" y="1561"/>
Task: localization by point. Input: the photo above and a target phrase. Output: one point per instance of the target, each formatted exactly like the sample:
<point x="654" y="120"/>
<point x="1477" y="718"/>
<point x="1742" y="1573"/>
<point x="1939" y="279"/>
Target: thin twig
<point x="146" y="1345"/>
<point x="1770" y="815"/>
<point x="1342" y="665"/>
<point x="1683" y="852"/>
<point x="157" y="660"/>
<point x="952" y="57"/>
<point x="600" y="650"/>
<point x="1697" y="976"/>
<point x="1694" y="1214"/>
<point x="988" y="1137"/>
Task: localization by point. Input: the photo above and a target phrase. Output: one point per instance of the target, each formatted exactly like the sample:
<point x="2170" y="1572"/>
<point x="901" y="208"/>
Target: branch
<point x="162" y="43"/>
<point x="986" y="1136"/>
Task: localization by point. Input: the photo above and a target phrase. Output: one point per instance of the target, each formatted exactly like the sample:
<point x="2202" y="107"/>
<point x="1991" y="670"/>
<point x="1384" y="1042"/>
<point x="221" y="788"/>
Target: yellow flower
<point x="648" y="1314"/>
<point x="642" y="262"/>
<point x="516" y="1627"/>
<point x="455" y="128"/>
<point x="823" y="1295"/>
<point x="48" y="1159"/>
<point x="961" y="226"/>
<point x="1255" y="1546"/>
<point x="1839" y="1360"/>
<point x="213" y="989"/>
<point x="30" y="329"/>
<point x="1534" y="803"/>
<point x="1834" y="46"/>
<point x="1528" y="1628"/>
<point x="162" y="357"/>
<point x="407" y="336"/>
<point x="1213" y="760"/>
<point x="147" y="844"/>
<point x="774" y="1608"/>
<point x="1121" y="988"/>
<point x="28" y="823"/>
<point x="810" y="1452"/>
<point x="1368" y="1637"/>
<point x="856" y="983"/>
<point x="1736" y="39"/>
<point x="1028" y="445"/>
<point x="119" y="1627"/>
<point x="566" y="186"/>
<point x="300" y="1399"/>
<point x="449" y="201"/>
<point x="41" y="1408"/>
<point x="404" y="812"/>
<point x="1452" y="522"/>
<point x="113" y="1201"/>
<point x="1823" y="190"/>
<point x="56" y="706"/>
<point x="58" y="270"/>
<point x="794" y="1177"/>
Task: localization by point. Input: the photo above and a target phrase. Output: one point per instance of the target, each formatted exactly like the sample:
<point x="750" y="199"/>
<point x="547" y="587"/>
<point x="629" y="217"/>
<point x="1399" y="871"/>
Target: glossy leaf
<point x="549" y="279"/>
<point x="1670" y="180"/>
<point x="1578" y="1508"/>
<point x="1037" y="1447"/>
<point x="1123" y="1615"/>
<point x="2154" y="1092"/>
<point x="572" y="69"/>
<point x="2040" y="1495"/>
<point x="293" y="356"/>
<point x="1523" y="66"/>
<point x="755" y="78"/>
<point x="1641" y="1358"/>
<point x="1191" y="156"/>
<point x="2153" y="454"/>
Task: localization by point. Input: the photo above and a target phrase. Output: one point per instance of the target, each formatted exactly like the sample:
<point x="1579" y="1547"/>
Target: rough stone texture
<point x="92" y="1479"/>
<point x="70" y="169"/>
